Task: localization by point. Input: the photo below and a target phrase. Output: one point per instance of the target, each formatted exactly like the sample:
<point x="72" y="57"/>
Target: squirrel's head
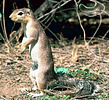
<point x="21" y="15"/>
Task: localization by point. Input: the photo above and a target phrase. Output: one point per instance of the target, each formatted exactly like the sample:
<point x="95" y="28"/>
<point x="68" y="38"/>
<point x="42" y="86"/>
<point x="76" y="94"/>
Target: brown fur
<point x="39" y="47"/>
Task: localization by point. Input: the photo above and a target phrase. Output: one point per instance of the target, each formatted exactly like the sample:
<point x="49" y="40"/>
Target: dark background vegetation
<point x="85" y="57"/>
<point x="59" y="23"/>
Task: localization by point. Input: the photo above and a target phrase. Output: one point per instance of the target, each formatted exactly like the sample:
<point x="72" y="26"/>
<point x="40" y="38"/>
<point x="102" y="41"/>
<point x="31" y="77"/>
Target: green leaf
<point x="87" y="70"/>
<point x="62" y="70"/>
<point x="52" y="45"/>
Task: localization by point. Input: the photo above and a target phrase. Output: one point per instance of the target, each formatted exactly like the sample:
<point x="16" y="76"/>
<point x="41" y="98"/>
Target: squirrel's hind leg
<point x="41" y="83"/>
<point x="33" y="72"/>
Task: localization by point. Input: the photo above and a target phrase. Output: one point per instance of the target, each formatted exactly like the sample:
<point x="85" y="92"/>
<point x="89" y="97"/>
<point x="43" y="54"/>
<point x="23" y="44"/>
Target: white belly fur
<point x="34" y="51"/>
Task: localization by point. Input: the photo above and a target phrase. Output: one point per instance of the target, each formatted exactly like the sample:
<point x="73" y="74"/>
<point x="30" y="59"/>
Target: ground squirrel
<point x="42" y="70"/>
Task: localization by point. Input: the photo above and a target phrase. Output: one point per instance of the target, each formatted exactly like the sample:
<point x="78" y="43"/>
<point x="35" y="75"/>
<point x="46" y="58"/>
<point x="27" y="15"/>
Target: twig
<point x="55" y="94"/>
<point x="96" y="29"/>
<point x="85" y="96"/>
<point x="28" y="4"/>
<point x="50" y="31"/>
<point x="105" y="34"/>
<point x="4" y="27"/>
<point x="80" y="21"/>
<point x="2" y="37"/>
<point x="54" y="9"/>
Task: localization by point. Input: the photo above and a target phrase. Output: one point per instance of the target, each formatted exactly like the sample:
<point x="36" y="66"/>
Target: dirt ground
<point x="14" y="67"/>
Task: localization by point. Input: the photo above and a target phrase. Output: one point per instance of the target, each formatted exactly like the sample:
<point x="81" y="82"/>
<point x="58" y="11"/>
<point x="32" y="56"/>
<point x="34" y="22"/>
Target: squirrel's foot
<point x="22" y="49"/>
<point x="34" y="88"/>
<point x="35" y="95"/>
<point x="24" y="89"/>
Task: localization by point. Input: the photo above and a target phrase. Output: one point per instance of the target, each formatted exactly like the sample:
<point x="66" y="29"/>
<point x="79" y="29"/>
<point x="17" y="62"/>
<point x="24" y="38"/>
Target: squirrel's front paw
<point x="22" y="49"/>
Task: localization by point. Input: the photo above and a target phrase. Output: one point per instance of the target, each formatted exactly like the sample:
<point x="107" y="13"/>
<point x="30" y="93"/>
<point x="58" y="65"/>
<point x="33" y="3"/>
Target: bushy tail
<point x="85" y="87"/>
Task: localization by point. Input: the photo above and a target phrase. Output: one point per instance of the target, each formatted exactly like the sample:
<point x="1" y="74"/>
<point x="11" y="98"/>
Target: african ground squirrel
<point x="42" y="70"/>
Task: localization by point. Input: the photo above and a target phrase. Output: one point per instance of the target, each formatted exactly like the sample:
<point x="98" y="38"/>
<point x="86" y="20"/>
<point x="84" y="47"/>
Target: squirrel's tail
<point x="85" y="87"/>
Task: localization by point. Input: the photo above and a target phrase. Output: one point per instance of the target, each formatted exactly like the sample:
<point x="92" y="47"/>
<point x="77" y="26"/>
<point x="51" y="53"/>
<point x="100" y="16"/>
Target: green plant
<point x="62" y="70"/>
<point x="85" y="74"/>
<point x="101" y="74"/>
<point x="106" y="95"/>
<point x="47" y="97"/>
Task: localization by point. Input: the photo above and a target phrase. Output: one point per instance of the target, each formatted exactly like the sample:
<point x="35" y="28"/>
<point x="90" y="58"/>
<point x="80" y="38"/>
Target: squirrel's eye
<point x="20" y="13"/>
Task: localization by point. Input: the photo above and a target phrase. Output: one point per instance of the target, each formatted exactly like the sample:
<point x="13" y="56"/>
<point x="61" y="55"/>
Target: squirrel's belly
<point x="35" y="52"/>
<point x="34" y="56"/>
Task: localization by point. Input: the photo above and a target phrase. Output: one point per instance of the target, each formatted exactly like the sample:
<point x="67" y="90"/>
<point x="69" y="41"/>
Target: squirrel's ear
<point x="28" y="11"/>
